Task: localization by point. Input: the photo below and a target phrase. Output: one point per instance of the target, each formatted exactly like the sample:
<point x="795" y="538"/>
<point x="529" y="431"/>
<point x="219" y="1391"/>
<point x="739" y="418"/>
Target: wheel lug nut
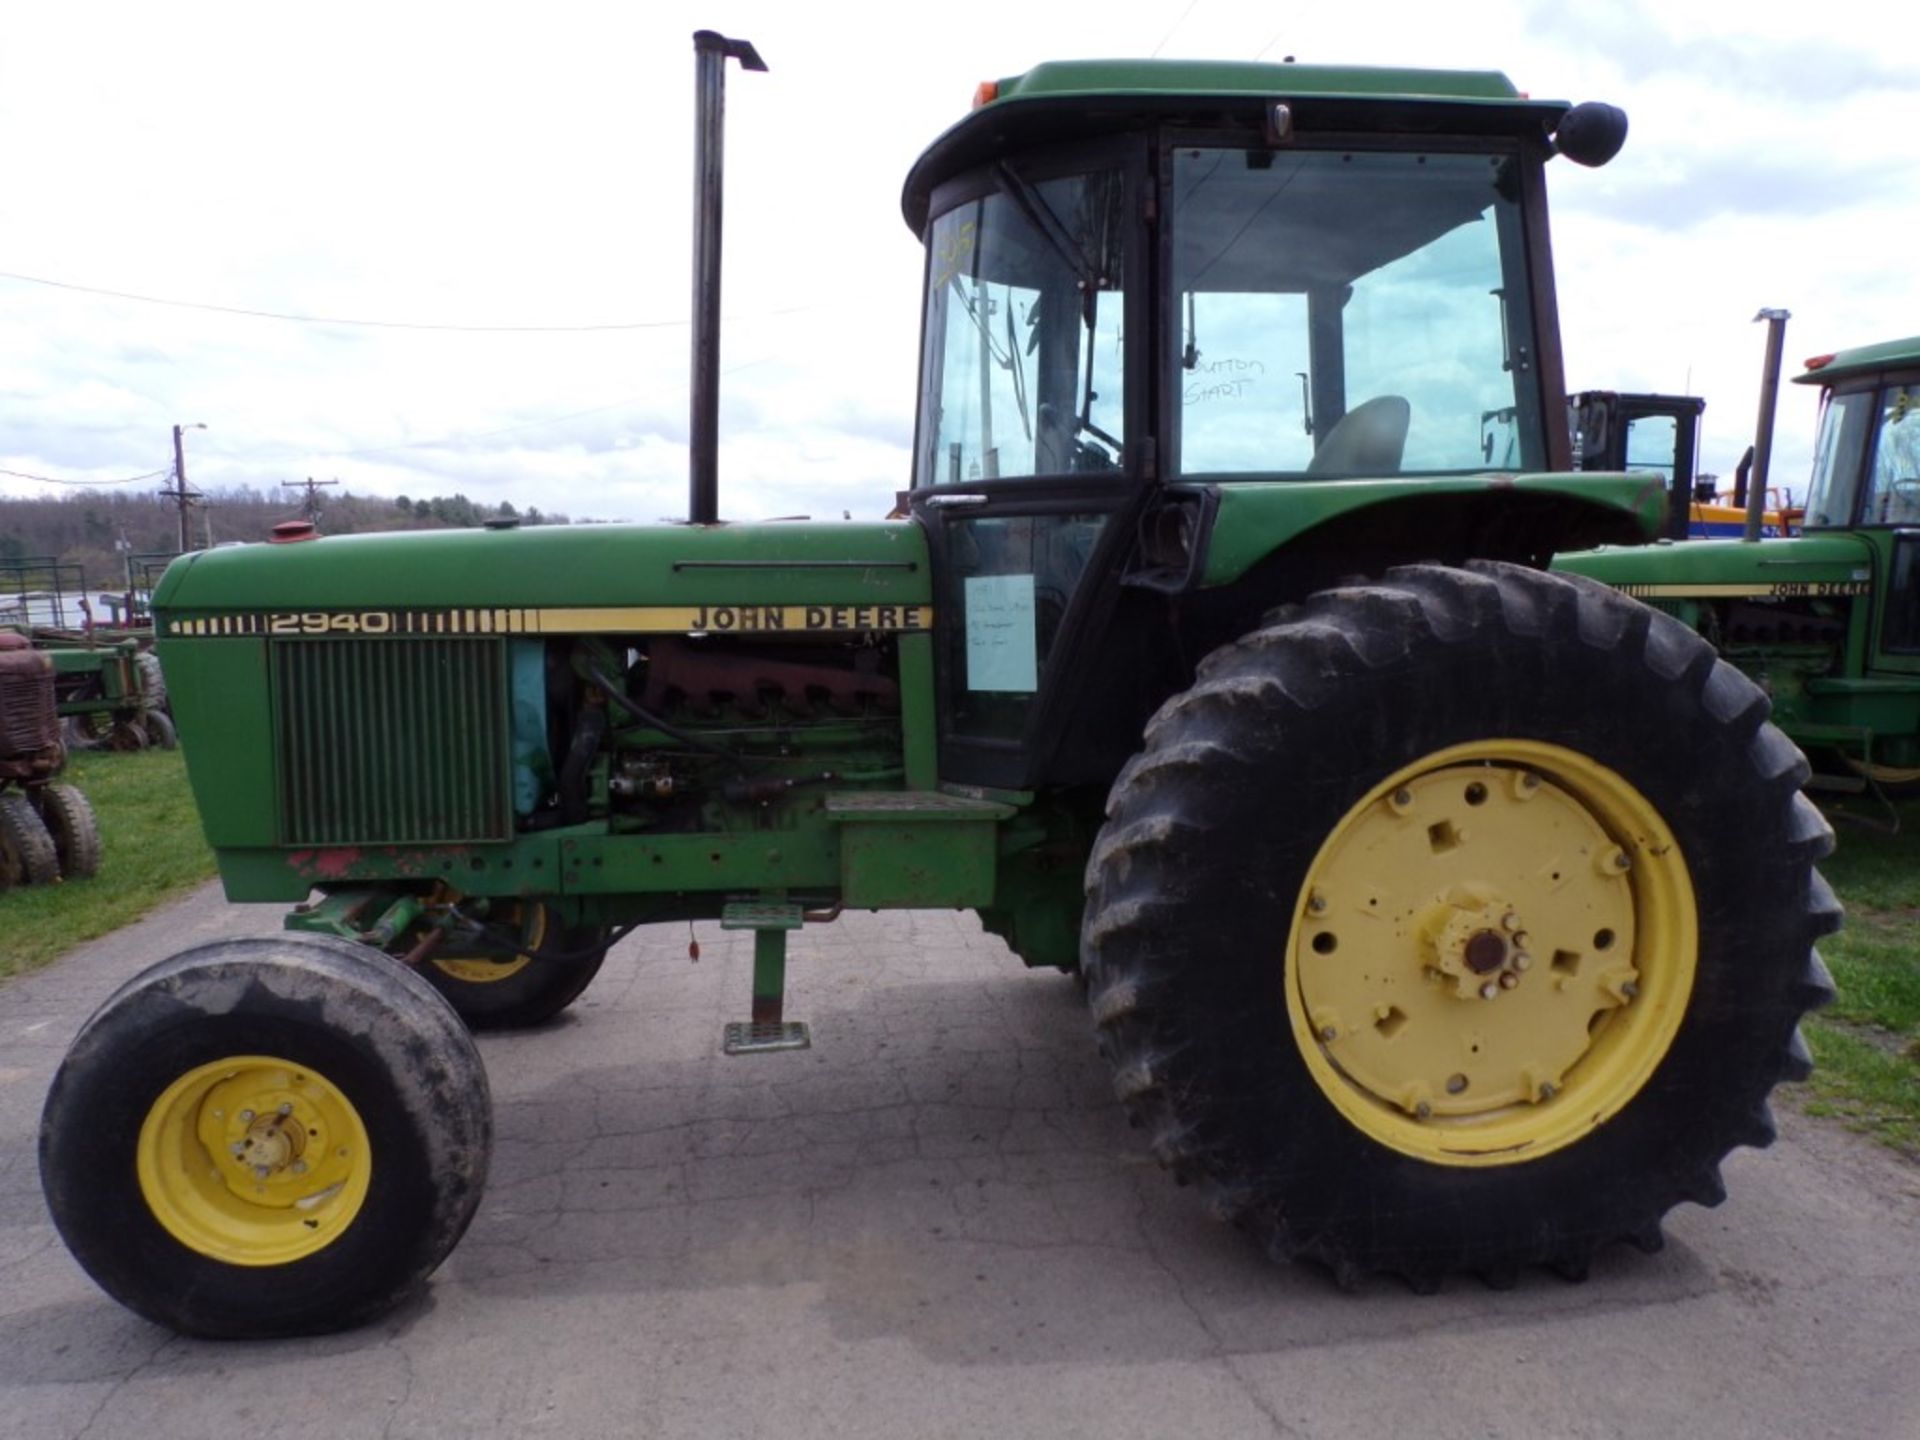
<point x="286" y="1107"/>
<point x="1630" y="989"/>
<point x="1489" y="990"/>
<point x="1330" y="1033"/>
<point x="299" y="1167"/>
<point x="246" y="1117"/>
<point x="1508" y="980"/>
<point x="1316" y="904"/>
<point x="1549" y="1090"/>
<point x="1510" y="920"/>
<point x="1456" y="1083"/>
<point x="1522" y="960"/>
<point x="1423" y="1111"/>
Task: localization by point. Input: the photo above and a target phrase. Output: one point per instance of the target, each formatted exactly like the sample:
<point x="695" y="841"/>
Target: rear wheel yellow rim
<point x="1883" y="774"/>
<point x="531" y="918"/>
<point x="254" y="1160"/>
<point x="1492" y="953"/>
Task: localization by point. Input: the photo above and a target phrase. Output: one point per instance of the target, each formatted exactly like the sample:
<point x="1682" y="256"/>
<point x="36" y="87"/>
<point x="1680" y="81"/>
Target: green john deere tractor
<point x="1436" y="913"/>
<point x="1826" y="622"/>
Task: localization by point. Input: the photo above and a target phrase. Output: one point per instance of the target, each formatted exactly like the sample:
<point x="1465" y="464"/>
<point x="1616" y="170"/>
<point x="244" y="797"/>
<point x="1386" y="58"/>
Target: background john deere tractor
<point x="1827" y="622"/>
<point x="1437" y="913"/>
<point x="1614" y="430"/>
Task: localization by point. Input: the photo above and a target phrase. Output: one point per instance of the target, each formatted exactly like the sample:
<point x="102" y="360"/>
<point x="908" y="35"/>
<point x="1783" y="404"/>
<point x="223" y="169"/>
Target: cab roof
<point x="1861" y="360"/>
<point x="1071" y="99"/>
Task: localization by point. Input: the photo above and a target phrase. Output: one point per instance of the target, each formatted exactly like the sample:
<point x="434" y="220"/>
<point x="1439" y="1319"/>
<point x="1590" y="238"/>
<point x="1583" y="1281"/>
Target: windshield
<point x="1893" y="477"/>
<point x="1022" y="366"/>
<point x="1845" y="425"/>
<point x="1351" y="314"/>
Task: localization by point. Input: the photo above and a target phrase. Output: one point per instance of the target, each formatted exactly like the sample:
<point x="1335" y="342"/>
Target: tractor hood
<point x="255" y="588"/>
<point x="1711" y="569"/>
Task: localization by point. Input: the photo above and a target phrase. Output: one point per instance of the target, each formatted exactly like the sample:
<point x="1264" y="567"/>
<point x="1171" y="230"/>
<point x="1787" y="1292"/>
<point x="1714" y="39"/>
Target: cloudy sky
<point x="429" y="165"/>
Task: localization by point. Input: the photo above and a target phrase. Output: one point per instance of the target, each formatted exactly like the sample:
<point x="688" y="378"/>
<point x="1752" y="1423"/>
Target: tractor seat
<point x="1368" y="440"/>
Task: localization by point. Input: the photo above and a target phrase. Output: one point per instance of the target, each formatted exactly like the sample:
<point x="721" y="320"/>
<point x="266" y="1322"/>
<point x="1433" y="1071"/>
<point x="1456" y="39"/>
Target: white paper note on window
<point x="1000" y="630"/>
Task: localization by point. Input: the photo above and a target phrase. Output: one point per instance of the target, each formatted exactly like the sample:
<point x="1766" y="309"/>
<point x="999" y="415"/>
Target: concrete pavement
<point x="936" y="1223"/>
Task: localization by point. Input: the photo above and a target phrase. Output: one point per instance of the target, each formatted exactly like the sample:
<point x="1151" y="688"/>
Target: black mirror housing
<point x="1591" y="133"/>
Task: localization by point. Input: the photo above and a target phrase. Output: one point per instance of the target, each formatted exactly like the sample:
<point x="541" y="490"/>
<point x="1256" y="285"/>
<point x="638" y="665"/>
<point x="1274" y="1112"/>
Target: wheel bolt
<point x="1630" y="989"/>
<point x="1489" y="990"/>
<point x="246" y="1117"/>
<point x="1549" y="1090"/>
<point x="1508" y="980"/>
<point x="1316" y="904"/>
<point x="1423" y="1111"/>
<point x="1522" y="960"/>
<point x="1510" y="920"/>
<point x="286" y="1107"/>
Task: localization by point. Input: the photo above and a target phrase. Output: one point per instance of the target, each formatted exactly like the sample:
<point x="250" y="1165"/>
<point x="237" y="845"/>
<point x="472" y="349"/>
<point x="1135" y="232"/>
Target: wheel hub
<point x="253" y="1160"/>
<point x="1465" y="955"/>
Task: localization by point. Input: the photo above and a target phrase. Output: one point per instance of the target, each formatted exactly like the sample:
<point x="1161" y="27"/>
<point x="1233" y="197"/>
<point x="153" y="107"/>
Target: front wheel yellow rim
<point x="1492" y="953"/>
<point x="254" y="1160"/>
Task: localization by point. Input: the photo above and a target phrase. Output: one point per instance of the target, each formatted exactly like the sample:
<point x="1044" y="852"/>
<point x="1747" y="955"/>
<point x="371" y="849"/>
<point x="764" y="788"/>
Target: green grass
<point x="1866" y="1045"/>
<point x="152" y="851"/>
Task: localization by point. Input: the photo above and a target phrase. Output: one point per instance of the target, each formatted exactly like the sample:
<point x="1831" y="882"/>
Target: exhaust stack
<point x="711" y="52"/>
<point x="1763" y="438"/>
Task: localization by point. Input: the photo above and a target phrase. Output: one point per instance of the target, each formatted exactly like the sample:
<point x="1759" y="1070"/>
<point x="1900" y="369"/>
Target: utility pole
<point x="310" y="507"/>
<point x="180" y="494"/>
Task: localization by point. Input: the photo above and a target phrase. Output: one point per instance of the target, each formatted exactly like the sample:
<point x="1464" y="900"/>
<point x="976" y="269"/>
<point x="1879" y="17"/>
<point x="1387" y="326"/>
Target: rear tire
<point x="160" y="731"/>
<point x="266" y="1137"/>
<point x="491" y="990"/>
<point x="1361" y="775"/>
<point x="71" y="825"/>
<point x="27" y="854"/>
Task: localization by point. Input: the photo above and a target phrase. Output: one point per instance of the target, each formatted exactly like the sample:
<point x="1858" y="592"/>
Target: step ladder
<point x="769" y="1029"/>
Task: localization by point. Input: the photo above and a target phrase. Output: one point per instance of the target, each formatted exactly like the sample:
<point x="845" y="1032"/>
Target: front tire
<point x="27" y="853"/>
<point x="71" y="825"/>
<point x="266" y="1137"/>
<point x="1457" y="922"/>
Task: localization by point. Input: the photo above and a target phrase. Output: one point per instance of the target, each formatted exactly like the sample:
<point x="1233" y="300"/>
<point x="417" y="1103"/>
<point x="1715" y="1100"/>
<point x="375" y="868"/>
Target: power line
<point x="1191" y="6"/>
<point x="56" y="480"/>
<point x="372" y="324"/>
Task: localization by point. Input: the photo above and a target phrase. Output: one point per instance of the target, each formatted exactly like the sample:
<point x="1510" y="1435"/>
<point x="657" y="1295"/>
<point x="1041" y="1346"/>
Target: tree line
<point x="98" y="531"/>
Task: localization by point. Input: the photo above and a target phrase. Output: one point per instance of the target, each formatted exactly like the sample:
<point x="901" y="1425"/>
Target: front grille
<point x="392" y="741"/>
<point x="27" y="720"/>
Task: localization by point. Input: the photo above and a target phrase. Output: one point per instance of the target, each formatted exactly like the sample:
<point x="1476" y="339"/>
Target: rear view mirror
<point x="1591" y="133"/>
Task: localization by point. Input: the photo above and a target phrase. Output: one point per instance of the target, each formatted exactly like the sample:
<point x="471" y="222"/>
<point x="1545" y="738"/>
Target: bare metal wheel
<point x="266" y="1137"/>
<point x="1457" y="922"/>
<point x="27" y="854"/>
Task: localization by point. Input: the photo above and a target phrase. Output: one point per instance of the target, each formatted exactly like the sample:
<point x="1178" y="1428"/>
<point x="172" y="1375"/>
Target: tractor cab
<point x="1866" y="478"/>
<point x="1236" y="276"/>
<point x="1660" y="433"/>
